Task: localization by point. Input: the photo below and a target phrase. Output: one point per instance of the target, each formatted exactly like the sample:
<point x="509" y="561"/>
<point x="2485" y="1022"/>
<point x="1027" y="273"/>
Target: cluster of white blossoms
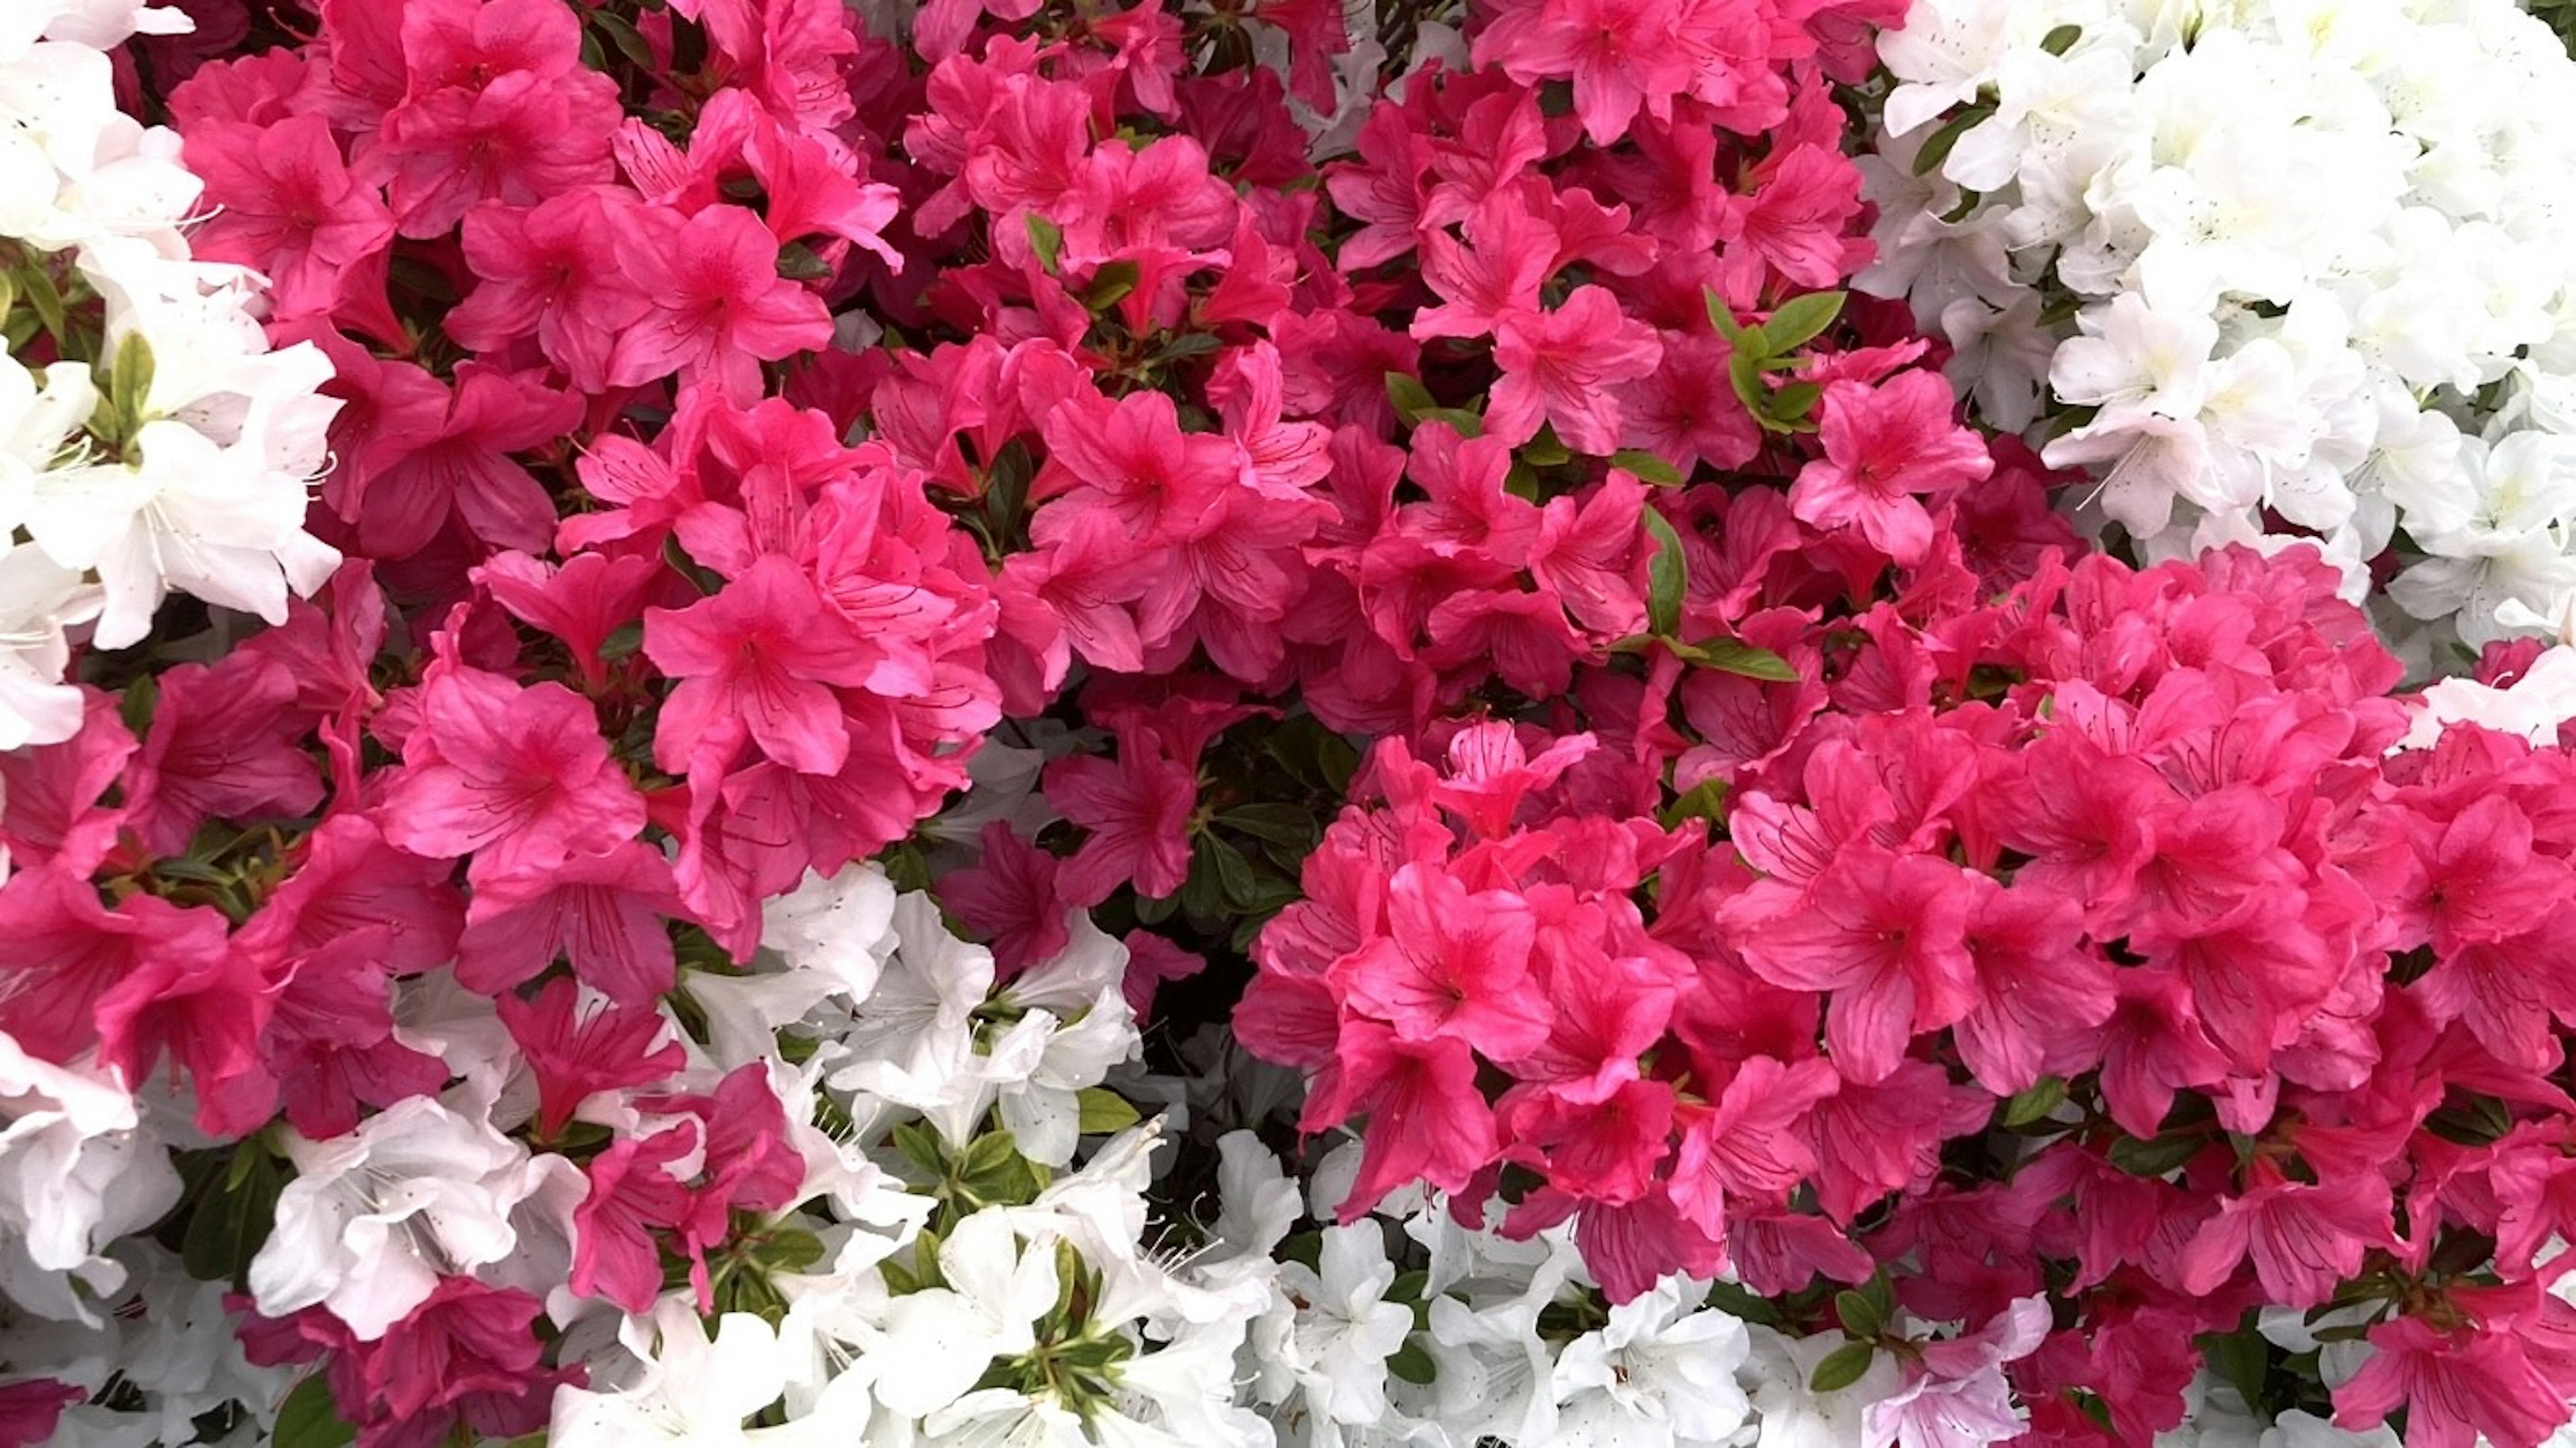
<point x="2268" y="270"/>
<point x="150" y="440"/>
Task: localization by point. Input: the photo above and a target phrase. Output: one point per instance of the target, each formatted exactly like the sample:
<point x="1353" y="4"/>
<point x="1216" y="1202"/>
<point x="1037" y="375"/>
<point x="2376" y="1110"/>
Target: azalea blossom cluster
<point x="1223" y="725"/>
<point x="2091" y="946"/>
<point x="2266" y="272"/>
<point x="737" y="412"/>
<point x="154" y="440"/>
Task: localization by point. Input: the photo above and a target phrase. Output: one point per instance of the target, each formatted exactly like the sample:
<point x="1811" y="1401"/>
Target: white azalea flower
<point x="374" y="1218"/>
<point x="1776" y="1373"/>
<point x="1661" y="1371"/>
<point x="940" y="1340"/>
<point x="696" y="1390"/>
<point x="78" y="1169"/>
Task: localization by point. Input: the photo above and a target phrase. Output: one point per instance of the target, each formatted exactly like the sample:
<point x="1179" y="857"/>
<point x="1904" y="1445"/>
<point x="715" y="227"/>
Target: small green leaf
<point x="1647" y="467"/>
<point x="2156" y="1156"/>
<point x="1801" y="319"/>
<point x="798" y="263"/>
<point x="228" y="1225"/>
<point x="2034" y="1102"/>
<point x="1705" y="800"/>
<point x="1110" y="285"/>
<point x="1842" y="1367"/>
<point x="1544" y="451"/>
<point x="789" y="1250"/>
<point x="2061" y="40"/>
<point x="2243" y="1359"/>
<point x="1722" y="317"/>
<point x="1413" y="1364"/>
<point x="1234" y="874"/>
<point x="1734" y="656"/>
<point x="129" y="378"/>
<point x="1792" y="403"/>
<point x="1410" y="397"/>
<point x="1047" y="240"/>
<point x="1104" y="1111"/>
<point x="1943" y="141"/>
<point x="622" y="33"/>
<point x="308" y="1419"/>
<point x="1666" y="577"/>
<point x="1285" y="824"/>
<point x="1744" y="371"/>
<point x="1466" y="423"/>
<point x="1859" y="1316"/>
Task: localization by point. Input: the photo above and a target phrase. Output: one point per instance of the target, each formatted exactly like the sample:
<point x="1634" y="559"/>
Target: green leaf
<point x="129" y="379"/>
<point x="1842" y="1367"/>
<point x="1466" y="423"/>
<point x="1744" y="372"/>
<point x="1111" y="284"/>
<point x="1791" y="405"/>
<point x="1413" y="1364"/>
<point x="135" y="707"/>
<point x="2034" y="1102"/>
<point x="1706" y="800"/>
<point x="1647" y="467"/>
<point x="1666" y="577"/>
<point x="1722" y="317"/>
<point x="798" y="263"/>
<point x="1544" y="451"/>
<point x="1285" y="824"/>
<point x="2058" y="42"/>
<point x="1801" y="319"/>
<point x="308" y="1419"/>
<point x="1235" y="876"/>
<point x="623" y="34"/>
<point x="1943" y="141"/>
<point x="789" y="1250"/>
<point x="1104" y="1111"/>
<point x="1858" y="1315"/>
<point x="921" y="1148"/>
<point x="42" y="295"/>
<point x="1047" y="240"/>
<point x="2157" y="1155"/>
<point x="1734" y="656"/>
<point x="228" y="1225"/>
<point x="1738" y="1301"/>
<point x="2243" y="1359"/>
<point x="1410" y="397"/>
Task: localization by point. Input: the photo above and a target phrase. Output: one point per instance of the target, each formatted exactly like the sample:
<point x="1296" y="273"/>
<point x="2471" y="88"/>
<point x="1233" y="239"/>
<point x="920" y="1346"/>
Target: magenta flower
<point x="516" y="777"/>
<point x="1886" y="448"/>
<point x="1137" y="810"/>
<point x="720" y="308"/>
<point x="757" y="660"/>
<point x="1560" y="367"/>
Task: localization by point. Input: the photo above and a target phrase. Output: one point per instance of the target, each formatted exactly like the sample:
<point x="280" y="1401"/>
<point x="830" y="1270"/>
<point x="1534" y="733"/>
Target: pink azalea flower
<point x="720" y="308"/>
<point x="577" y="1051"/>
<point x="516" y="777"/>
<point x="1559" y="367"/>
<point x="1138" y="810"/>
<point x="1456" y="965"/>
<point x="1886" y="447"/>
<point x="757" y="660"/>
<point x="633" y="1198"/>
<point x="1886" y="935"/>
<point x="602" y="912"/>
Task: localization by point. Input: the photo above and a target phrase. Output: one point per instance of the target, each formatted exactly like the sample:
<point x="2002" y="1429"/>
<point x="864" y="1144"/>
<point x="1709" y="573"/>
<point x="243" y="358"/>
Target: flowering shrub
<point x="154" y="441"/>
<point x="2081" y="967"/>
<point x="2268" y="272"/>
<point x="918" y="588"/>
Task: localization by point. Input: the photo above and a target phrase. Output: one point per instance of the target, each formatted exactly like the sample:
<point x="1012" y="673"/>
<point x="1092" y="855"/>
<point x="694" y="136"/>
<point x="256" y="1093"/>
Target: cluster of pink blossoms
<point x="2087" y="941"/>
<point x="790" y="457"/>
